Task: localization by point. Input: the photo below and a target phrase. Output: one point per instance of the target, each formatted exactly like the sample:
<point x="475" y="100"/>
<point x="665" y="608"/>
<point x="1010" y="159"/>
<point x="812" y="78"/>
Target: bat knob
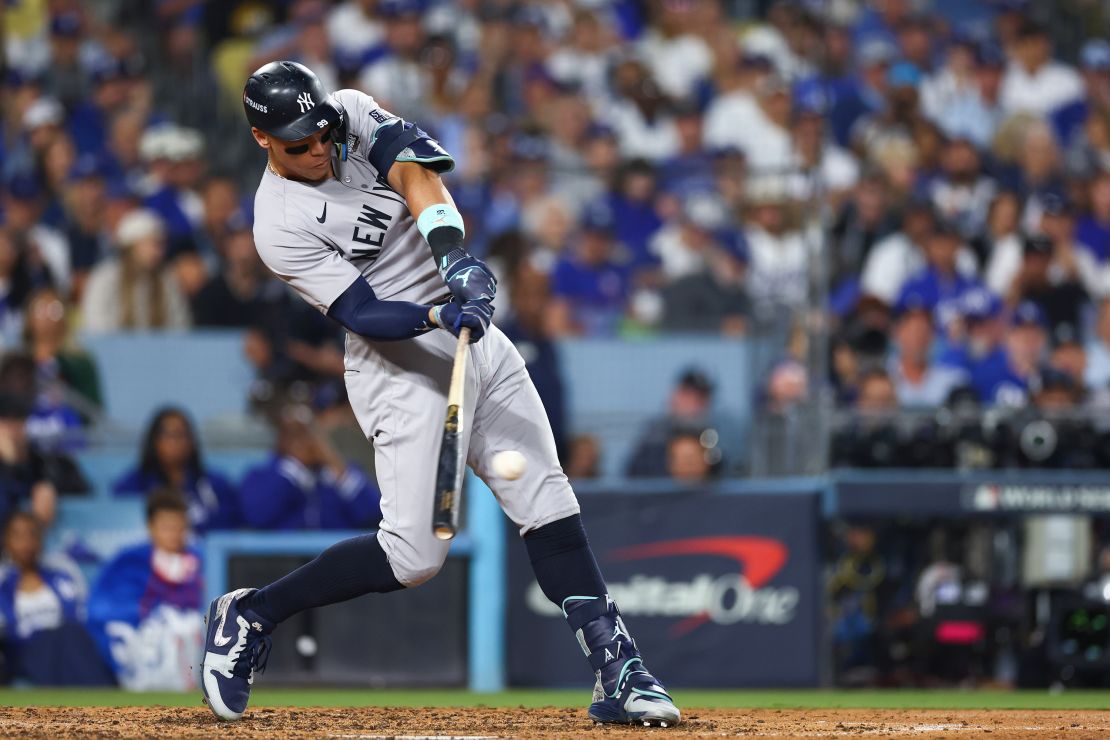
<point x="444" y="533"/>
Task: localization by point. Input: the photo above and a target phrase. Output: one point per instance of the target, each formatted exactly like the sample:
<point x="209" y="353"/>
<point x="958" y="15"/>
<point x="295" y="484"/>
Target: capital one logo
<point x="745" y="596"/>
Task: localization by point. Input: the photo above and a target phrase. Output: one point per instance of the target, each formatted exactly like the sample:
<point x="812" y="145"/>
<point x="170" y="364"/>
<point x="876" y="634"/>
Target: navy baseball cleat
<point x="237" y="645"/>
<point x="624" y="692"/>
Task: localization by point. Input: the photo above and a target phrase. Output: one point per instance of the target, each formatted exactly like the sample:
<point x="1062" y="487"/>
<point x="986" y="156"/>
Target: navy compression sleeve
<point x="361" y="312"/>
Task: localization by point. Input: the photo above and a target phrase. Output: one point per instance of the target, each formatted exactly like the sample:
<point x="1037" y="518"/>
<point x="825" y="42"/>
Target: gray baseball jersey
<point x="320" y="238"/>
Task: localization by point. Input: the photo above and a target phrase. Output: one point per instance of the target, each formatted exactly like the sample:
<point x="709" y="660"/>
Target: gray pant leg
<point x="510" y="416"/>
<point x="398" y="391"/>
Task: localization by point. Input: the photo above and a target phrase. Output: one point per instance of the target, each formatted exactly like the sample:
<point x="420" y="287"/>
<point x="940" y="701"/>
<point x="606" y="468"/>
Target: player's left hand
<point x="469" y="279"/>
<point x="454" y="316"/>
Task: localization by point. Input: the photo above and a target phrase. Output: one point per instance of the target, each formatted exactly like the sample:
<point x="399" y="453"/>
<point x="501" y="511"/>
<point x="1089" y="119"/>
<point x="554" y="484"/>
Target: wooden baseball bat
<point x="452" y="455"/>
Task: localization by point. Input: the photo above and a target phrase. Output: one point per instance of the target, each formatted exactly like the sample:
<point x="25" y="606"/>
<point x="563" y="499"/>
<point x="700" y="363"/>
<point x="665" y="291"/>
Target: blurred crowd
<point x="923" y="181"/>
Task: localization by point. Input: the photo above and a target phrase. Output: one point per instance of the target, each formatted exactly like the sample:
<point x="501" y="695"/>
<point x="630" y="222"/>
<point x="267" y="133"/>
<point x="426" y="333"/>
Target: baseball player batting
<point x="352" y="213"/>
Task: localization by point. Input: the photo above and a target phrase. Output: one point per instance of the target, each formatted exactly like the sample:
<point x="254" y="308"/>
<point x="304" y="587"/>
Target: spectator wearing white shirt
<point x="677" y="57"/>
<point x="1001" y="243"/>
<point x="583" y="61"/>
<point x="1035" y="82"/>
<point x="894" y="259"/>
<point x="778" y="257"/>
<point x="761" y="131"/>
<point x="734" y="107"/>
<point x="645" y="129"/>
<point x="823" y="170"/>
<point x="354" y="29"/>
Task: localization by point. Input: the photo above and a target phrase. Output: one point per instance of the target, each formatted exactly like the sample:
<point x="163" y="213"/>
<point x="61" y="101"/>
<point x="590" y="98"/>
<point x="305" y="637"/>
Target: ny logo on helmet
<point x="304" y="101"/>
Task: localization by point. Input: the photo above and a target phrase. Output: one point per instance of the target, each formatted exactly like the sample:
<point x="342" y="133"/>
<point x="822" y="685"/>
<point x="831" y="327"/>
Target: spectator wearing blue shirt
<point x="307" y="485"/>
<point x="589" y="287"/>
<point x="42" y="607"/>
<point x="1070" y="119"/>
<point x="940" y="286"/>
<point x="174" y="155"/>
<point x="111" y="92"/>
<point x="919" y="382"/>
<point x="634" y="215"/>
<point x="1093" y="229"/>
<point x="150" y="595"/>
<point x="982" y="354"/>
<point x="1025" y="348"/>
<point x="171" y="456"/>
<point x="691" y="167"/>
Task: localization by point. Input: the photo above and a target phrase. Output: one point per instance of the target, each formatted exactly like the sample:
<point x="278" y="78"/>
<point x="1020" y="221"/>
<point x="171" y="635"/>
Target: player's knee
<point x="413" y="565"/>
<point x="412" y="572"/>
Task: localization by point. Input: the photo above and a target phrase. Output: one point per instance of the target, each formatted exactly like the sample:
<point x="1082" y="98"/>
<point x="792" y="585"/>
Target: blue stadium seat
<point x="204" y="371"/>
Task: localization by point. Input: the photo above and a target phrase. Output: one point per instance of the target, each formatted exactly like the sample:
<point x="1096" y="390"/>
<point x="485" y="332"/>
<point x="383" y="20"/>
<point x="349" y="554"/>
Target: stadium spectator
<point x="690" y="407"/>
<point x="589" y="287"/>
<point x="18" y="277"/>
<point x="1047" y="281"/>
<point x="778" y="257"/>
<point x="918" y="380"/>
<point x="42" y="613"/>
<point x="66" y="372"/>
<point x="1000" y="246"/>
<point x="24" y="480"/>
<point x="1025" y="349"/>
<point x="243" y="293"/>
<point x="528" y="328"/>
<point x="584" y="458"/>
<point x="1035" y="82"/>
<point x="306" y="485"/>
<point x="1068" y="355"/>
<point x="135" y="290"/>
<point x="1097" y="375"/>
<point x="701" y="269"/>
<point x="396" y="78"/>
<point x="47" y="248"/>
<point x="171" y="458"/>
<point x="144" y="608"/>
<point x="687" y="458"/>
<point x="53" y="427"/>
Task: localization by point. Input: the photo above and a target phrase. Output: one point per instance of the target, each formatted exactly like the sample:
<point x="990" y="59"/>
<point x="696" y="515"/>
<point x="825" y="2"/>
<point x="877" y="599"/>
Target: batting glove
<point x="469" y="279"/>
<point x="473" y="314"/>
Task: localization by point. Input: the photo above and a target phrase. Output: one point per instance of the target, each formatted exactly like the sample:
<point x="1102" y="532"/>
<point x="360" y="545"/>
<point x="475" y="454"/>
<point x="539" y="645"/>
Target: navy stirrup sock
<point x="568" y="574"/>
<point x="563" y="561"/>
<point x="347" y="569"/>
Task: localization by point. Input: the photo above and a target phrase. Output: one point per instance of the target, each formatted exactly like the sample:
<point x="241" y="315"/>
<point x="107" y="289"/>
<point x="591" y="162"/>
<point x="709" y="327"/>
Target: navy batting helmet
<point x="287" y="100"/>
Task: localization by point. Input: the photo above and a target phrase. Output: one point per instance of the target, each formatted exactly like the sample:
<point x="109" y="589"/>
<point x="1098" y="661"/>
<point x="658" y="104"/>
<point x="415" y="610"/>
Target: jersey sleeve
<point x="316" y="271"/>
<point x="400" y="141"/>
<point x="364" y="116"/>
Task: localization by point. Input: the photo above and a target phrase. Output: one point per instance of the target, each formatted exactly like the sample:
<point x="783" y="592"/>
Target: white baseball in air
<point x="508" y="464"/>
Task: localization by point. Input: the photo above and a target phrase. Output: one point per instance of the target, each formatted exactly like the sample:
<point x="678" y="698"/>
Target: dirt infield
<point x="543" y="723"/>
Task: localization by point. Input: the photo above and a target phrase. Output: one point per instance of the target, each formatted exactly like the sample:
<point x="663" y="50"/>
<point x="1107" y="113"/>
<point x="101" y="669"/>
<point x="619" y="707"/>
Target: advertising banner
<point x="717" y="590"/>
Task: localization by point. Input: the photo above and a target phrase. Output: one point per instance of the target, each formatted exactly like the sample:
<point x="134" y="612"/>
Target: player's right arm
<point x="411" y="162"/>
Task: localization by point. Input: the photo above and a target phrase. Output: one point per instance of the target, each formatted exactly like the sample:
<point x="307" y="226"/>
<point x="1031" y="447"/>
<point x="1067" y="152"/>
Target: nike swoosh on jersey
<point x="323" y="216"/>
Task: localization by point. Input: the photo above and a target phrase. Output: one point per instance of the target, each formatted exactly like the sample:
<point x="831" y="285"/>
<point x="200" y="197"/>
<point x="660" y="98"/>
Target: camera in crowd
<point x="1053" y="432"/>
